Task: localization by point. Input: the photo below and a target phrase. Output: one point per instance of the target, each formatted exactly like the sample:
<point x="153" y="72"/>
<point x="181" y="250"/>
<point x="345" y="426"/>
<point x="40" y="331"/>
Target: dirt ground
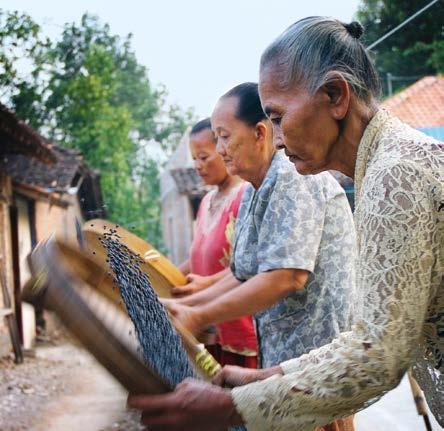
<point x="61" y="387"/>
<point x="23" y="396"/>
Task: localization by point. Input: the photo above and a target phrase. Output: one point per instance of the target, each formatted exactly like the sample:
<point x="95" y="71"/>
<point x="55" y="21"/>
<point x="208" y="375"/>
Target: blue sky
<point x="197" y="48"/>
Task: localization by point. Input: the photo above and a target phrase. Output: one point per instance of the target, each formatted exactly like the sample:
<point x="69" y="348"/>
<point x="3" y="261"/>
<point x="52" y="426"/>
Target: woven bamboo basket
<point x="64" y="281"/>
<point x="162" y="272"/>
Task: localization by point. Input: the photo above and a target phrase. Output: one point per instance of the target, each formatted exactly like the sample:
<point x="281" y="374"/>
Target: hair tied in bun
<point x="354" y="29"/>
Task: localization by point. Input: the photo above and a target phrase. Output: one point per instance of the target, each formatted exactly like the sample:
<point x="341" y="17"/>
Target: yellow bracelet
<point x="207" y="363"/>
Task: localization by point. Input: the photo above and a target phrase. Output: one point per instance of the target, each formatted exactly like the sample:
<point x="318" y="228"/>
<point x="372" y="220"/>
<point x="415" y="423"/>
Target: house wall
<point x="58" y="220"/>
<point x="177" y="215"/>
<point x="50" y="218"/>
<point x="177" y="225"/>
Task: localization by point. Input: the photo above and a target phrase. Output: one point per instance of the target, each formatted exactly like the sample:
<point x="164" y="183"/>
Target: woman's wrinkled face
<point x="207" y="162"/>
<point x="302" y="123"/>
<point x="236" y="140"/>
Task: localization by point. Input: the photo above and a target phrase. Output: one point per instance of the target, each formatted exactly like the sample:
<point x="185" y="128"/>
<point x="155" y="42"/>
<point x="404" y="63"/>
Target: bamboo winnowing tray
<point x="162" y="272"/>
<point x="62" y="280"/>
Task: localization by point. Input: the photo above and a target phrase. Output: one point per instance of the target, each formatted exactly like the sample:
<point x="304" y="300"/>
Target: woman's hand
<point x="193" y="406"/>
<point x="186" y="316"/>
<point x="196" y="283"/>
<point x="232" y="376"/>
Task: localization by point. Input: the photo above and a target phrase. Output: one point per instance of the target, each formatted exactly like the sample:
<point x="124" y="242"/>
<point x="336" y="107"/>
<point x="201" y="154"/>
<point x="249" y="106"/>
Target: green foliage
<point x="89" y="92"/>
<point x="415" y="50"/>
<point x="20" y="47"/>
<point x="18" y="36"/>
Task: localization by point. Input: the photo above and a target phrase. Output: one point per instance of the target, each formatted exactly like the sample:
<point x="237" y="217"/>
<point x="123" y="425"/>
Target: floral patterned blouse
<point x="399" y="312"/>
<point x="292" y="221"/>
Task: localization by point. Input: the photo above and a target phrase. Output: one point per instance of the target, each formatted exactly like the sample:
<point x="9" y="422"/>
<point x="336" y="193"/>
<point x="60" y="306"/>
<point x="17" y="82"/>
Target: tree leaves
<point x="87" y="91"/>
<point x="415" y="50"/>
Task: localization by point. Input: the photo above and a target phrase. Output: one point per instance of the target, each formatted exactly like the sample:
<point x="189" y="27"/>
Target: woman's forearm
<point x="226" y="282"/>
<point x="220" y="275"/>
<point x="196" y="283"/>
<point x="257" y="294"/>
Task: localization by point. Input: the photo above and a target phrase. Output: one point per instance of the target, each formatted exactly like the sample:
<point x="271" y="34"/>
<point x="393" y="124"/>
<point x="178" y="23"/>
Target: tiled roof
<point x="58" y="177"/>
<point x="67" y="172"/>
<point x="16" y="137"/>
<point x="33" y="161"/>
<point x="420" y="105"/>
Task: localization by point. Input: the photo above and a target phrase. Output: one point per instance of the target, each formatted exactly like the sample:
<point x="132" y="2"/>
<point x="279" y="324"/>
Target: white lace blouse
<point x="399" y="315"/>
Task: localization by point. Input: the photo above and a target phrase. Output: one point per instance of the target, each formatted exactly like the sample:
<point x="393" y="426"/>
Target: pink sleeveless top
<point x="211" y="252"/>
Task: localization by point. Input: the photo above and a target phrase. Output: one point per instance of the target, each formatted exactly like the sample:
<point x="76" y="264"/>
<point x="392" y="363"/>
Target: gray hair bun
<point x="354" y="29"/>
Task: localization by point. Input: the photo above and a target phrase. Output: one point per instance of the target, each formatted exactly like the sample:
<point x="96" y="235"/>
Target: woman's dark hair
<point x="249" y="108"/>
<point x="311" y="50"/>
<point x="201" y="125"/>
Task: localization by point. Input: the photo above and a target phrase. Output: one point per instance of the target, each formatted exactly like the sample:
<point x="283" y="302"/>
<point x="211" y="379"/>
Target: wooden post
<point x="6" y="290"/>
<point x="8" y="314"/>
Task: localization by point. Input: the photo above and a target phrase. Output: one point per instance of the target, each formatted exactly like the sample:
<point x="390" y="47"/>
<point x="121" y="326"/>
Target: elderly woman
<point x="294" y="247"/>
<point x="319" y="88"/>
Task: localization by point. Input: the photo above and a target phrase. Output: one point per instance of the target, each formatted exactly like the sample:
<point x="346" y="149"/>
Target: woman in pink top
<point x="211" y="248"/>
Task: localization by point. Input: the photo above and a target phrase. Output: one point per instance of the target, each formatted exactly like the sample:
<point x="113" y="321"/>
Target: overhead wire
<point x="406" y="21"/>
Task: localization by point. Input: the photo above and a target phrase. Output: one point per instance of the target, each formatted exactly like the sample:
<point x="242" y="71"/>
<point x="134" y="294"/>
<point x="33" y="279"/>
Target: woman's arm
<point x="196" y="283"/>
<point x="227" y="282"/>
<point x="256" y="294"/>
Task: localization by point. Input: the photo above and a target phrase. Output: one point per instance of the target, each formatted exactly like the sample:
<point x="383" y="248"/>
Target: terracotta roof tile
<point x="421" y="104"/>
